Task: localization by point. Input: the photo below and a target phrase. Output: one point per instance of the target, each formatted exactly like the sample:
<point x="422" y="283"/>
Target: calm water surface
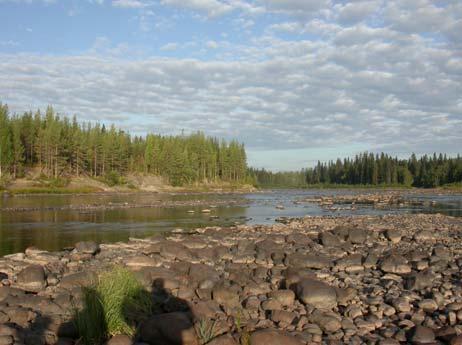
<point x="54" y="230"/>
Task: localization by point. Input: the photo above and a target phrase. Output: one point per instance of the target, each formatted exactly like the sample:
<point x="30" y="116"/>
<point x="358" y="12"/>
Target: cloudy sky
<point x="296" y="80"/>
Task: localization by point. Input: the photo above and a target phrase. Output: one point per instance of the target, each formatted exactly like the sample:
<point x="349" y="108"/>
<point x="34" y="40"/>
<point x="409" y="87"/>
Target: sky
<point x="296" y="80"/>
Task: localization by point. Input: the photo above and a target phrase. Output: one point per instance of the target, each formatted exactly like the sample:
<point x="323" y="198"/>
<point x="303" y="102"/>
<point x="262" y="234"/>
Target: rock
<point x="171" y="328"/>
<point x="423" y="335"/>
<point x="225" y="297"/>
<point x="420" y="280"/>
<point x="285" y="297"/>
<point x="457" y="340"/>
<point x="87" y="247"/>
<point x="428" y="305"/>
<point x="32" y="278"/>
<point x="316" y="293"/>
<point x="393" y="235"/>
<point x="272" y="337"/>
<point x="357" y="235"/>
<point x="282" y="316"/>
<point x="328" y="239"/>
<point x="6" y="340"/>
<point x="120" y="339"/>
<point x="395" y="264"/>
<point x="424" y="235"/>
<point x="328" y="323"/>
<point x="84" y="278"/>
<point x="226" y="339"/>
<point x="139" y="261"/>
<point x="309" y="261"/>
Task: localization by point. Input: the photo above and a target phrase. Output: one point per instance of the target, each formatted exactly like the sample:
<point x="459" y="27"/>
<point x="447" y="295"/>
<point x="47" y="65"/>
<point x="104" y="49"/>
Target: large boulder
<point x="32" y="278"/>
<point x="316" y="293"/>
<point x="169" y="329"/>
<point x="272" y="337"/>
<point x="309" y="261"/>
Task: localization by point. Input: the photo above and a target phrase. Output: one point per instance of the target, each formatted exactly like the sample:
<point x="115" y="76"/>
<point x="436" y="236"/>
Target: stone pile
<point x="314" y="280"/>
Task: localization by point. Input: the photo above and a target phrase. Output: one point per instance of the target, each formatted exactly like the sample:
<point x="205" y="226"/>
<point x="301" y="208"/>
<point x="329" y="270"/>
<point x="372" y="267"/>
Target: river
<point x="53" y="222"/>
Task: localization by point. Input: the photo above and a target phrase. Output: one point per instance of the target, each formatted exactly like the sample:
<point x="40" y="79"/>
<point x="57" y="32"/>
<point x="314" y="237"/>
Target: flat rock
<point x="32" y="278"/>
<point x="316" y="293"/>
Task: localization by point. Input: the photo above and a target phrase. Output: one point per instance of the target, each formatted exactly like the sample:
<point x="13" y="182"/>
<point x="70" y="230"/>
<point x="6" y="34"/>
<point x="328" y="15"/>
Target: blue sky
<point x="295" y="80"/>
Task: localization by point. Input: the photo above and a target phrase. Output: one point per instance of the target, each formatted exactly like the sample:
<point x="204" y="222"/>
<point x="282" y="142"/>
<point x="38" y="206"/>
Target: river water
<point x="53" y="222"/>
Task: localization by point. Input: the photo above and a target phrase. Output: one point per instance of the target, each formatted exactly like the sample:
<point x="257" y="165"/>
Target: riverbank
<point x="387" y="280"/>
<point x="130" y="184"/>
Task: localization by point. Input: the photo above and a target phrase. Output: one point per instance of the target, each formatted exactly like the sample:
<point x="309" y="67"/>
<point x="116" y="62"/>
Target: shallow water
<point x="56" y="229"/>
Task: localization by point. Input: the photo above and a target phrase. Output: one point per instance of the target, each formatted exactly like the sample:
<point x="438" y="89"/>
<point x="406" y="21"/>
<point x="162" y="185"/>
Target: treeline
<point x="60" y="146"/>
<point x="369" y="169"/>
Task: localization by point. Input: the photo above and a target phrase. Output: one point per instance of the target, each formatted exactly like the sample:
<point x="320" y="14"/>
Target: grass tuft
<point x="206" y="330"/>
<point x="114" y="305"/>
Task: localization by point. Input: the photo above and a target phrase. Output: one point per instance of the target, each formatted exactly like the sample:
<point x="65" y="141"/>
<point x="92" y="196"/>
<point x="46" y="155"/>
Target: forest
<point x="63" y="147"/>
<point x="368" y="169"/>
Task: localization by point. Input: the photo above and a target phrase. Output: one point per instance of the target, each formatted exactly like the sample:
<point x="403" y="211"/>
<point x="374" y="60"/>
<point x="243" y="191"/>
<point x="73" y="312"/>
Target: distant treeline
<point x="369" y="169"/>
<point x="60" y="146"/>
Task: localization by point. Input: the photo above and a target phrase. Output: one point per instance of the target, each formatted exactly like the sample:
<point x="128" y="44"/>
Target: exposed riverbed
<point x="53" y="222"/>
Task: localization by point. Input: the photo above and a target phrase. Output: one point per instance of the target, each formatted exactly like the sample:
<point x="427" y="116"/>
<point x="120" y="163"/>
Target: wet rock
<point x="316" y="293"/>
<point x="32" y="278"/>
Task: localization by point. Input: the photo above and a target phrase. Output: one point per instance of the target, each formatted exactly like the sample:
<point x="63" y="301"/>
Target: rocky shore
<point x="316" y="280"/>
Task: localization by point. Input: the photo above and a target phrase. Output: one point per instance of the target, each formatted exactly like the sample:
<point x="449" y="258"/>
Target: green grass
<point x="205" y="330"/>
<point x="114" y="305"/>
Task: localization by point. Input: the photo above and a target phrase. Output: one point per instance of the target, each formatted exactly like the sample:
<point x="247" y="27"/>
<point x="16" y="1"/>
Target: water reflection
<point x="54" y="230"/>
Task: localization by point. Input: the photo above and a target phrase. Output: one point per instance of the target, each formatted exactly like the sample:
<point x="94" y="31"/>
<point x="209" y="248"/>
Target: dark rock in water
<point x="316" y="293"/>
<point x="328" y="239"/>
<point x="272" y="337"/>
<point x="423" y="335"/>
<point x="87" y="247"/>
<point x="32" y="278"/>
<point x="171" y="328"/>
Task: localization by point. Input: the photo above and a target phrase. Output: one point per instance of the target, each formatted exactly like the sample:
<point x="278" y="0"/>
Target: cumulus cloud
<point x="385" y="75"/>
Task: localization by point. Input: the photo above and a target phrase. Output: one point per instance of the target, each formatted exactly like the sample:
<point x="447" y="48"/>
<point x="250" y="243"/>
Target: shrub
<point x="114" y="305"/>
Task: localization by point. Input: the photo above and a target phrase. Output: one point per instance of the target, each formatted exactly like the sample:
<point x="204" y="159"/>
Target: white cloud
<point x="212" y="8"/>
<point x="130" y="3"/>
